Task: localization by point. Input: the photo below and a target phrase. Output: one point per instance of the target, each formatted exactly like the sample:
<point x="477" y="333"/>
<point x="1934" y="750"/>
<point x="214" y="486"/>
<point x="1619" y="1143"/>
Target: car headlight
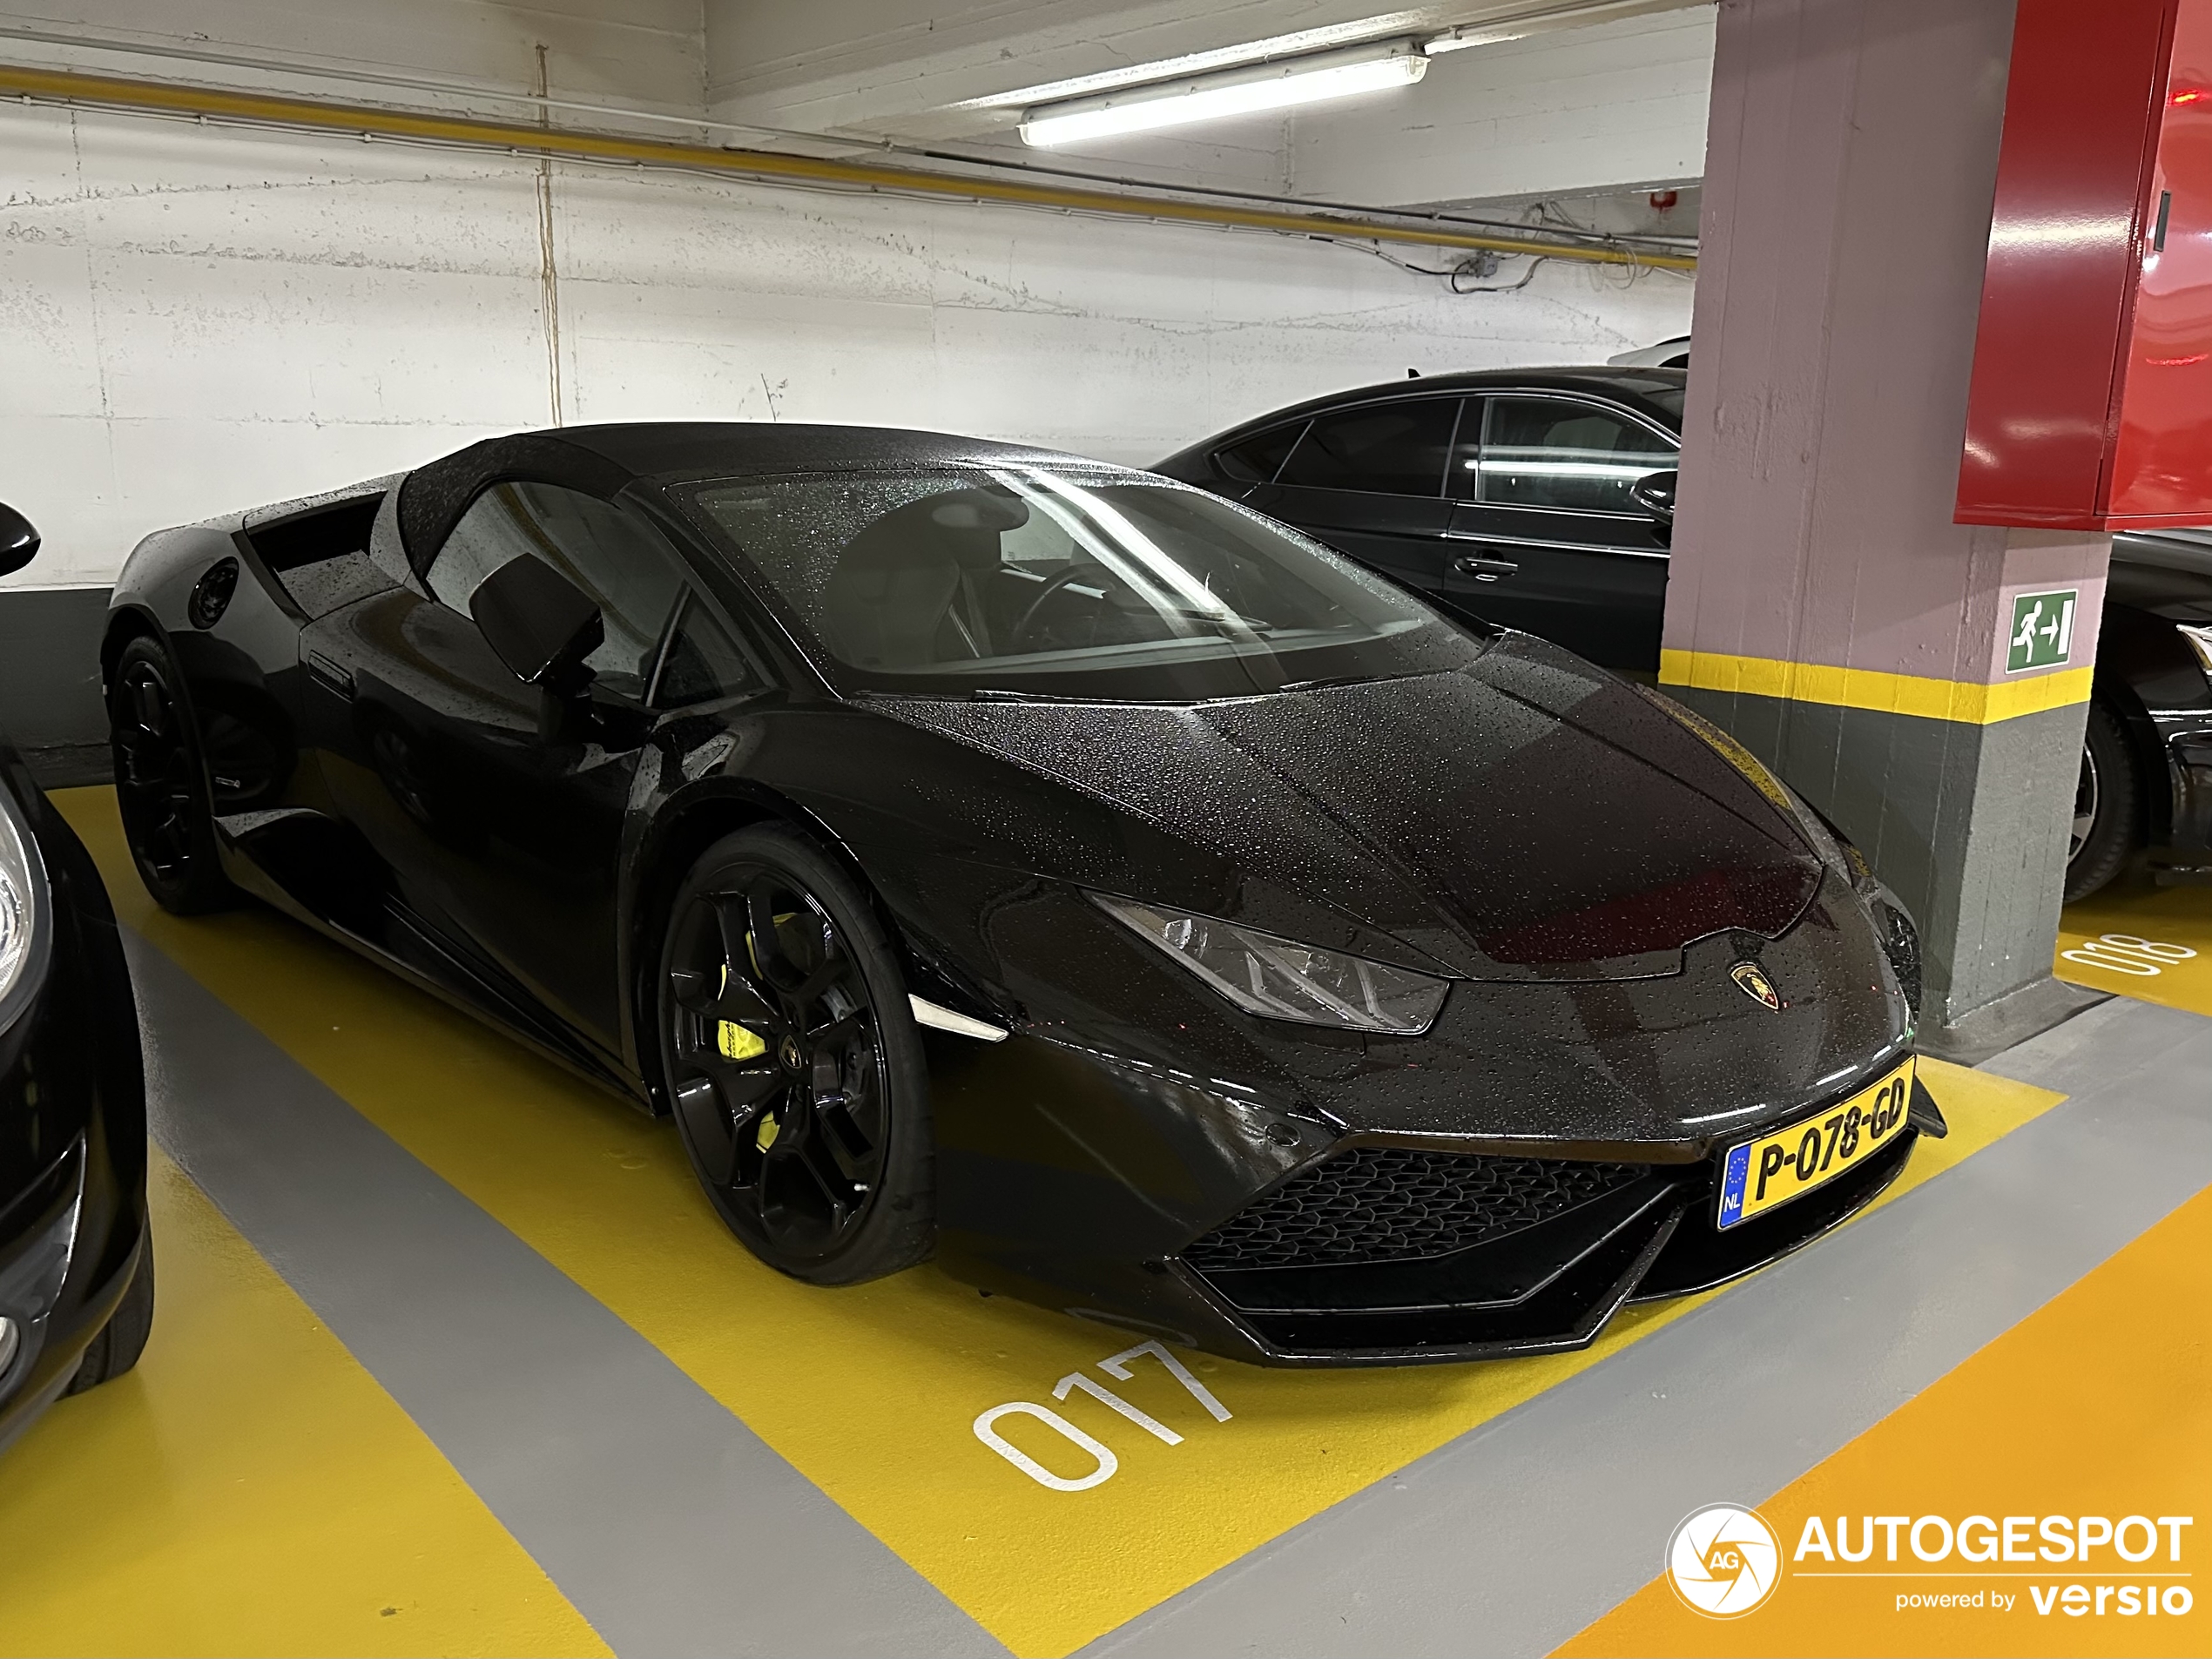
<point x="23" y="910"/>
<point x="2200" y="639"/>
<point x="1280" y="979"/>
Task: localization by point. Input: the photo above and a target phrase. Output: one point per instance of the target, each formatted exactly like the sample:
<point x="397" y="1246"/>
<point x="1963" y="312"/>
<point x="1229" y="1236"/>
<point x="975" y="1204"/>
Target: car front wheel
<point x="161" y="784"/>
<point x="793" y="1063"/>
<point x="2106" y="798"/>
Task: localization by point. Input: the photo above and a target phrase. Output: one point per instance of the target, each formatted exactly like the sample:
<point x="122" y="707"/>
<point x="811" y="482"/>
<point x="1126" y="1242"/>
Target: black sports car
<point x="1543" y="499"/>
<point x="75" y="1258"/>
<point x="981" y="851"/>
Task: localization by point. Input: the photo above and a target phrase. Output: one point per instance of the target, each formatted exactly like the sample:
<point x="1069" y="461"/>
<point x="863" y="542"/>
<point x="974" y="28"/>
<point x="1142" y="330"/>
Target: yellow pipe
<point x="171" y="99"/>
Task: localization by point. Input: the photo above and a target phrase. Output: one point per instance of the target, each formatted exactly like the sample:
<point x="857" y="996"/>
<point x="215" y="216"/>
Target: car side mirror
<point x="540" y="624"/>
<point x="1655" y="493"/>
<point x="18" y="541"/>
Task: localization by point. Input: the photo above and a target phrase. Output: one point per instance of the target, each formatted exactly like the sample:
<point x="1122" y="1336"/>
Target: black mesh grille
<point x="1901" y="944"/>
<point x="1382" y="1204"/>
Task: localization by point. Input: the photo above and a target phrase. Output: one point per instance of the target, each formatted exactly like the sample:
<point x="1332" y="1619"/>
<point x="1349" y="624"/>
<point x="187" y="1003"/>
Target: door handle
<point x="1483" y="569"/>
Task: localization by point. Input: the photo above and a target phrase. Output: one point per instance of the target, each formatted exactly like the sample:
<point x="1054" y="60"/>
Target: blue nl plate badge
<point x="1735" y="1176"/>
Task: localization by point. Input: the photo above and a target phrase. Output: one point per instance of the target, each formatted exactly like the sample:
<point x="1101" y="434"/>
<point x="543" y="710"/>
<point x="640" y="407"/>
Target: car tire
<point x="2106" y="800"/>
<point x="161" y="784"/>
<point x="123" y="1339"/>
<point x="791" y="1061"/>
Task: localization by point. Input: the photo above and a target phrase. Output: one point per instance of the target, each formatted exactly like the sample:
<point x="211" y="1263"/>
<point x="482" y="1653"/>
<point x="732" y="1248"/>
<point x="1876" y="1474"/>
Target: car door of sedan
<point x="501" y="828"/>
<point x="1369" y="481"/>
<point x="1544" y="535"/>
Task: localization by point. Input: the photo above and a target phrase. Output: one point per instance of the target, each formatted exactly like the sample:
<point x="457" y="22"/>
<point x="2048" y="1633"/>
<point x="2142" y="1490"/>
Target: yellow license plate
<point x="1755" y="1176"/>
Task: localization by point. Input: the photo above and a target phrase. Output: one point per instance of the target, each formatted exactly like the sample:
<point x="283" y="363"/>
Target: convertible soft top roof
<point x="602" y="459"/>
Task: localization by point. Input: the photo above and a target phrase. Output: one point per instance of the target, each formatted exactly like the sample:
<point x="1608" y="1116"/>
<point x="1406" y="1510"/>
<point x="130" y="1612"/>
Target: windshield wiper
<point x="1001" y="694"/>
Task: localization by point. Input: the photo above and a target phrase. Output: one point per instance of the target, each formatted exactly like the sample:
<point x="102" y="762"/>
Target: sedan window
<point x="1256" y="460"/>
<point x="1391" y="448"/>
<point x="1553" y="452"/>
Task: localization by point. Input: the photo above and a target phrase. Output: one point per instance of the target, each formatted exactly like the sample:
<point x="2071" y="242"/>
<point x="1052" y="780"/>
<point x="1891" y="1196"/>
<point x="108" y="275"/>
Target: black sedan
<point x="1542" y="499"/>
<point x="76" y="1257"/>
<point x="985" y="853"/>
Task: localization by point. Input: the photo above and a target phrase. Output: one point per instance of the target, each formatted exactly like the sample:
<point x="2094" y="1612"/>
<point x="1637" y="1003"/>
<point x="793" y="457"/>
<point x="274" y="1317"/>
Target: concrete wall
<point x="193" y="318"/>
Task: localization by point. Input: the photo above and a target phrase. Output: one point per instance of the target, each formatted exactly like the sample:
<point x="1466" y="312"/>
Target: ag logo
<point x="1724" y="1561"/>
<point x="1751" y="980"/>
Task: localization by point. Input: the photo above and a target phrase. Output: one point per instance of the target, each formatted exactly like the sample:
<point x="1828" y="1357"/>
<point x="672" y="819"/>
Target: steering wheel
<point x="1073" y="574"/>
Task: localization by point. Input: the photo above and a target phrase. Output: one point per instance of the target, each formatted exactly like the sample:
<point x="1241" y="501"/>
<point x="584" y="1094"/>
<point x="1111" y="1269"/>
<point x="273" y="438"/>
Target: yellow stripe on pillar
<point x="1866" y="688"/>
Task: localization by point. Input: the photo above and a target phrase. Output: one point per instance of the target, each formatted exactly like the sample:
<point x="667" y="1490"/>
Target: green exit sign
<point x="2042" y="634"/>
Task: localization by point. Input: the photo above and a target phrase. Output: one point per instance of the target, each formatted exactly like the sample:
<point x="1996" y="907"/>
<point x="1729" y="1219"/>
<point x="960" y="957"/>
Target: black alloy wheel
<point x="2106" y="798"/>
<point x="792" y="1062"/>
<point x="161" y="786"/>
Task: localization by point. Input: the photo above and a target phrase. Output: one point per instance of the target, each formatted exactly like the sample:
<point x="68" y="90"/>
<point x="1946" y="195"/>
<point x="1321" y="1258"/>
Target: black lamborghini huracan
<point x="984" y="852"/>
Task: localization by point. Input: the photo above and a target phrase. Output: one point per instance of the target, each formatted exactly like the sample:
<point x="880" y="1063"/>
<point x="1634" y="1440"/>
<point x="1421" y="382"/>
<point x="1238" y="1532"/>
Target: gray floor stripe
<point x="1514" y="1537"/>
<point x="668" y="1523"/>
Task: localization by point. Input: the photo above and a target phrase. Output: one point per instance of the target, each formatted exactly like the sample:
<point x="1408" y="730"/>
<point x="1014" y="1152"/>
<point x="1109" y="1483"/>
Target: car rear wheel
<point x="2106" y="800"/>
<point x="161" y="785"/>
<point x="792" y="1062"/>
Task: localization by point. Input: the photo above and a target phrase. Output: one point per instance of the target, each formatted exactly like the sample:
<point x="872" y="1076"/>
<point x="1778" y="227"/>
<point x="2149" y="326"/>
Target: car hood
<point x="1526" y="817"/>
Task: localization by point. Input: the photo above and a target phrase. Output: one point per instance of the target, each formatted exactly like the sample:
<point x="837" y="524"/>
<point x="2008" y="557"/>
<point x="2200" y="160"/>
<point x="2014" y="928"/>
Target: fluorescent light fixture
<point x="1273" y="86"/>
<point x="1362" y="31"/>
<point x="1458" y="41"/>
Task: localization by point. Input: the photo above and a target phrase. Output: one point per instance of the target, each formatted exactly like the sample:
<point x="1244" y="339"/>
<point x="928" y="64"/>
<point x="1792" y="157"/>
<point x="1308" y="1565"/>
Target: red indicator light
<point x="2190" y="97"/>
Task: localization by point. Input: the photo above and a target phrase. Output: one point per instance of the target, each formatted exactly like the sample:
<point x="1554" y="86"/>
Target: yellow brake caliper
<point x="735" y="1042"/>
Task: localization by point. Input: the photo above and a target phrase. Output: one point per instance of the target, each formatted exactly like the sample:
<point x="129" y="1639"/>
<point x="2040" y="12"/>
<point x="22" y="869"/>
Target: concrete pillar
<point x="1823" y="606"/>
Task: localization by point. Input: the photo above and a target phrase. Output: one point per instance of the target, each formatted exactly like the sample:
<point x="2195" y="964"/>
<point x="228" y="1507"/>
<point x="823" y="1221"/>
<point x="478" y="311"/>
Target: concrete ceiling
<point x="931" y="70"/>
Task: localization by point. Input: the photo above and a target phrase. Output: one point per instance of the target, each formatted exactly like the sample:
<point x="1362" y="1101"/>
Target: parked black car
<point x="76" y="1257"/>
<point x="2146" y="762"/>
<point x="980" y="850"/>
<point x="1541" y="499"/>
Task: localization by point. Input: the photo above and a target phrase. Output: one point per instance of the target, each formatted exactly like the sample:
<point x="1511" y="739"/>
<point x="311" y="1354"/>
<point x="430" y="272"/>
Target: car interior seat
<point x="915" y="575"/>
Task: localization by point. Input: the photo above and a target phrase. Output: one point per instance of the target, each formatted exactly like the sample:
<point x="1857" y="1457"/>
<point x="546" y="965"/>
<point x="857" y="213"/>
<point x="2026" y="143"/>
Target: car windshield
<point x="1060" y="582"/>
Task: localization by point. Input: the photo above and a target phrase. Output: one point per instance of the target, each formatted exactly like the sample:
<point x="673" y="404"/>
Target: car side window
<point x="1554" y="452"/>
<point x="616" y="557"/>
<point x="703" y="663"/>
<point x="1256" y="460"/>
<point x="1392" y="449"/>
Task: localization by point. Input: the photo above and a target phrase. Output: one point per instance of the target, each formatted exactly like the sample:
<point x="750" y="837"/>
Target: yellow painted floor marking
<point x="872" y="1391"/>
<point x="2099" y="1403"/>
<point x="250" y="1489"/>
<point x="2151" y="943"/>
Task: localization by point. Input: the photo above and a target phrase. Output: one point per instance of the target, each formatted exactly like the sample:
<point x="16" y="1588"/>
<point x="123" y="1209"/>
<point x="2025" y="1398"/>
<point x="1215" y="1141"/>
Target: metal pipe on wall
<point x="165" y="98"/>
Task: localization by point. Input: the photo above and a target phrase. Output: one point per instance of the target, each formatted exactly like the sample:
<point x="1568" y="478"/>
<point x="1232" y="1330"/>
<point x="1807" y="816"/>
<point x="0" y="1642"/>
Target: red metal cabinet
<point x="2091" y="401"/>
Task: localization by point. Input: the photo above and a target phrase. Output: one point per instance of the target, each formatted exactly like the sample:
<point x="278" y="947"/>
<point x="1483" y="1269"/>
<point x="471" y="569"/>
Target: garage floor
<point x="452" y="1357"/>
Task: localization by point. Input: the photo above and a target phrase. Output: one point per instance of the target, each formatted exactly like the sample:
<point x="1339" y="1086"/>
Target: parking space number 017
<point x="1104" y="1462"/>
